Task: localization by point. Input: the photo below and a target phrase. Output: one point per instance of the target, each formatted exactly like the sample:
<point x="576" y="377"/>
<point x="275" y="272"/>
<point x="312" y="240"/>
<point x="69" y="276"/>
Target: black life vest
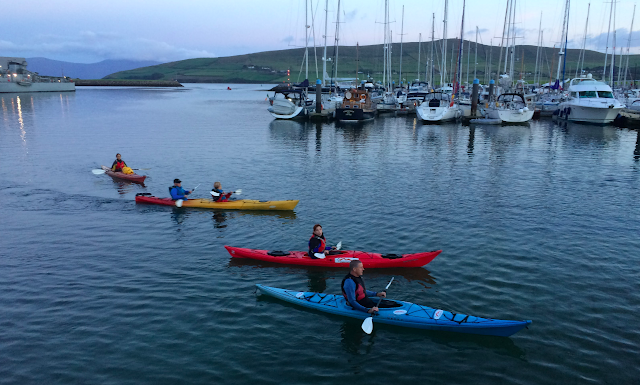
<point x="361" y="290"/>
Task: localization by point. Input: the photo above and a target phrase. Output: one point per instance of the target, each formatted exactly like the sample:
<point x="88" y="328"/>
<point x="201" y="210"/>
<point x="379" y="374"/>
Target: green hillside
<point x="272" y="66"/>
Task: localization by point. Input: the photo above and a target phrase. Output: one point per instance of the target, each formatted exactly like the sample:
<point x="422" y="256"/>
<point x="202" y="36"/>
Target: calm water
<point x="536" y="222"/>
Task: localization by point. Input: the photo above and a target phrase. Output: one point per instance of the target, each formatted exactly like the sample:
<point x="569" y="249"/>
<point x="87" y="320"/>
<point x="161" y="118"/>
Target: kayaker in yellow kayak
<point x="318" y="244"/>
<point x="218" y="195"/>
<point x="177" y="192"/>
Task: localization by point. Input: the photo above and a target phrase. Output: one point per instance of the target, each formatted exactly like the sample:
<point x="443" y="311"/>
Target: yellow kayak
<point x="241" y="204"/>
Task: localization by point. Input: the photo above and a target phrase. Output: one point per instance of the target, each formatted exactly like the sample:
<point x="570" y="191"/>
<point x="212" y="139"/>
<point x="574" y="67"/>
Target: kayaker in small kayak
<point x="356" y="294"/>
<point x="118" y="164"/>
<point x="177" y="192"/>
<point x="318" y="244"/>
<point x="219" y="195"/>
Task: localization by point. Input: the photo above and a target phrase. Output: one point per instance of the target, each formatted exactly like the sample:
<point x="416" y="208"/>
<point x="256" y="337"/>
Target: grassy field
<point x="272" y="66"/>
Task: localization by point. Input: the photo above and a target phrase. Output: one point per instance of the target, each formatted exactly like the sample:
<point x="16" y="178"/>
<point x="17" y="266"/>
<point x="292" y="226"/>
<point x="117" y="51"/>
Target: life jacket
<point x="119" y="165"/>
<point x="361" y="291"/>
<point x="323" y="244"/>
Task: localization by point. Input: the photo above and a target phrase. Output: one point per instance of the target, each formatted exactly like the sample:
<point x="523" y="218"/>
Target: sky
<point x="91" y="31"/>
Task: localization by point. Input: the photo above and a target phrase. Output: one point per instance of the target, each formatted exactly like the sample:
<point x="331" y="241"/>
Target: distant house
<point x="251" y="67"/>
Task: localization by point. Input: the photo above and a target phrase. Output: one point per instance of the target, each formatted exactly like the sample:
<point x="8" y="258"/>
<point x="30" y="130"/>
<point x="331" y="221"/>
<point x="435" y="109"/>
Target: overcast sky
<point x="90" y="31"/>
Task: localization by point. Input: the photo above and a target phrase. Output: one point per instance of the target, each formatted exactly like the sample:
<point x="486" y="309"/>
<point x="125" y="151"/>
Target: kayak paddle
<point x="367" y="325"/>
<point x="179" y="201"/>
<point x="339" y="245"/>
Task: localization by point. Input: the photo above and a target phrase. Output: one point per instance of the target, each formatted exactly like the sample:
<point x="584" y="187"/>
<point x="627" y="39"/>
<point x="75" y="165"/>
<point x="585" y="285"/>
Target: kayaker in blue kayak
<point x="318" y="244"/>
<point x="177" y="192"/>
<point x="219" y="195"/>
<point x="354" y="291"/>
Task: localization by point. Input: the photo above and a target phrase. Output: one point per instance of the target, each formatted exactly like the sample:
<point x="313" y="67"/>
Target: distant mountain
<point x="49" y="67"/>
<point x="285" y="66"/>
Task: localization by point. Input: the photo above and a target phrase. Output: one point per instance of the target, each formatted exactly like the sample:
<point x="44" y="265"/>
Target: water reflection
<point x="636" y="151"/>
<point x="218" y="219"/>
<point x="472" y="135"/>
<point x="179" y="215"/>
<point x="124" y="187"/>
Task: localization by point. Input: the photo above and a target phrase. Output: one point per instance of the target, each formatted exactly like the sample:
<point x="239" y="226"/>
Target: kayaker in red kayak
<point x="354" y="291"/>
<point x="219" y="195"/>
<point x="318" y="244"/>
<point x="177" y="192"/>
<point x="118" y="164"/>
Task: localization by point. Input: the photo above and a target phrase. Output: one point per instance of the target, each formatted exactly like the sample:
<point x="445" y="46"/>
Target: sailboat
<point x="440" y="106"/>
<point x="509" y="107"/>
<point x="388" y="101"/>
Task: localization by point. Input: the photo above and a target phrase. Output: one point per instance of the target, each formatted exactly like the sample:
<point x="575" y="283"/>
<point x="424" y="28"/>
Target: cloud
<point x="599" y="42"/>
<point x="473" y="31"/>
<point x="288" y="39"/>
<point x="100" y="46"/>
<point x="350" y="16"/>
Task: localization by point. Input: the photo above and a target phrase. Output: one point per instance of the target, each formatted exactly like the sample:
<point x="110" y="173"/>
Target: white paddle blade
<point x="339" y="245"/>
<point x="179" y="203"/>
<point x="238" y="191"/>
<point x="319" y="255"/>
<point x="367" y="325"/>
<point x="97" y="172"/>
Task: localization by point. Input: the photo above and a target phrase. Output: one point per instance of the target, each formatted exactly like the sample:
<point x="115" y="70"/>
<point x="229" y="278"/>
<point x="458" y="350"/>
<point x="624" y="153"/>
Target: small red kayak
<point x="336" y="258"/>
<point x="120" y="175"/>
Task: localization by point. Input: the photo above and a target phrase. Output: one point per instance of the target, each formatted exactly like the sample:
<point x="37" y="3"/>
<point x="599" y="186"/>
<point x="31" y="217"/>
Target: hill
<point x="272" y="66"/>
<point x="49" y="67"/>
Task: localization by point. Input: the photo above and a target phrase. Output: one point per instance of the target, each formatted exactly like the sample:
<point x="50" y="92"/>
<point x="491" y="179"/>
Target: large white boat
<point x="438" y="107"/>
<point x="289" y="103"/>
<point x="590" y="101"/>
<point x="14" y="77"/>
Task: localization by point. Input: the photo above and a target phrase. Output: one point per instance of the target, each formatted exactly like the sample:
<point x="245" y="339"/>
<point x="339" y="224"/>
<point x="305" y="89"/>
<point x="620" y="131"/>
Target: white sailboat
<point x="439" y="106"/>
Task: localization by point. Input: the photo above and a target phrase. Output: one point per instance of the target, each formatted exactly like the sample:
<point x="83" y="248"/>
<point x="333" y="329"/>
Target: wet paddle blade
<point x="97" y="172"/>
<point x="367" y="325"/>
<point x="179" y="203"/>
<point x="339" y="245"/>
<point x="238" y="191"/>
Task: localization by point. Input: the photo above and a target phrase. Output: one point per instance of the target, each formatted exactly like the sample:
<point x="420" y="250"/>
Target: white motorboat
<point x="510" y="108"/>
<point x="438" y="107"/>
<point x="14" y="77"/>
<point x="289" y="104"/>
<point x="589" y="101"/>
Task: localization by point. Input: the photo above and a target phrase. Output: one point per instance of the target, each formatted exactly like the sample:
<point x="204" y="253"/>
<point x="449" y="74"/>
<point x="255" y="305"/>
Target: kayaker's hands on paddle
<point x="373" y="310"/>
<point x="382" y="294"/>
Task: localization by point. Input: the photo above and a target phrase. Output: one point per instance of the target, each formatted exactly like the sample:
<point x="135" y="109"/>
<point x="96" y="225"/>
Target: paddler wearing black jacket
<point x="118" y="164"/>
<point x="355" y="292"/>
<point x="318" y="244"/>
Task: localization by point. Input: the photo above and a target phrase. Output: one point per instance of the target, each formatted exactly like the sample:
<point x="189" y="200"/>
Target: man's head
<point x="217" y="185"/>
<point x="356" y="268"/>
<point x="118" y="156"/>
<point x="176" y="182"/>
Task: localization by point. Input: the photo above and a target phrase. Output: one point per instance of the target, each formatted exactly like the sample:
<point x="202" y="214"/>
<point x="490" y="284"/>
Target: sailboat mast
<point x="401" y="39"/>
<point x="337" y="40"/>
<point x="584" y="43"/>
<point x="606" y="51"/>
<point x="460" y="51"/>
<point x="504" y="29"/>
<point x="566" y="39"/>
<point x="443" y="71"/>
<point x="384" y="47"/>
<point x="506" y="48"/>
<point x="535" y="72"/>
<point x="324" y="56"/>
<point x="306" y="39"/>
<point x="613" y="52"/>
<point x="626" y="67"/>
<point x="433" y="31"/>
<point x="475" y="63"/>
<point x="562" y="37"/>
<point x="513" y="39"/>
<point x="419" y="45"/>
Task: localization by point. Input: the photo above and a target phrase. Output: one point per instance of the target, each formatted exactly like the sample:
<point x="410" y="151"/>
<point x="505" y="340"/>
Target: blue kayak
<point x="408" y="314"/>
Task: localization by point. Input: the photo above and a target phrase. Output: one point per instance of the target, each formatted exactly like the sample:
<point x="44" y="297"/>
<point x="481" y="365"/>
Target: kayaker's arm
<point x="350" y="290"/>
<point x="175" y="195"/>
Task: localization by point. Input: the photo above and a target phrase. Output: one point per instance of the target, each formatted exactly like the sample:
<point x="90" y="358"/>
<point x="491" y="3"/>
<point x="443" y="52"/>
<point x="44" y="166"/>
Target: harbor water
<point x="536" y="221"/>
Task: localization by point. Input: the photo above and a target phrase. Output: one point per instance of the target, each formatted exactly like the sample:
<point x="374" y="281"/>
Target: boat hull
<point x="587" y="114"/>
<point x="354" y="115"/>
<point x="437" y="114"/>
<point x="511" y="116"/>
<point x="241" y="204"/>
<point x="406" y="315"/>
<point x="340" y="259"/>
<point x="135" y="178"/>
<point x="14" y="87"/>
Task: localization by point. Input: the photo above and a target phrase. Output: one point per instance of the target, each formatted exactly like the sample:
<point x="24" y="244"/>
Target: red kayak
<point x="120" y="175"/>
<point x="336" y="258"/>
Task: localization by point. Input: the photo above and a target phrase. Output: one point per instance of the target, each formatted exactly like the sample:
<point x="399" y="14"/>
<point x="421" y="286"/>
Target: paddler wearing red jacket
<point x="318" y="244"/>
<point x="354" y="291"/>
<point x="118" y="164"/>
